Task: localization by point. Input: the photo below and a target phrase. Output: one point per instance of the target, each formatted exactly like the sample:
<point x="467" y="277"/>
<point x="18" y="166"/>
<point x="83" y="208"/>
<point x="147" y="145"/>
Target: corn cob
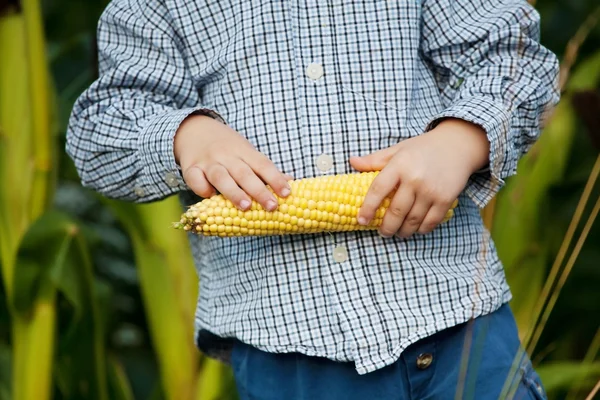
<point x="322" y="204"/>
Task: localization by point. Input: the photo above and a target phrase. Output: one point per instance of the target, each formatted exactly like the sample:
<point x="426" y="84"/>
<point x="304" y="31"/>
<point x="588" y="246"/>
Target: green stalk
<point x="40" y="101"/>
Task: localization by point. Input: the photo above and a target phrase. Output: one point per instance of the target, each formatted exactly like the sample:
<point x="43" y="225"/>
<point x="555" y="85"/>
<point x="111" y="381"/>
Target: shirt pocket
<point x="377" y="60"/>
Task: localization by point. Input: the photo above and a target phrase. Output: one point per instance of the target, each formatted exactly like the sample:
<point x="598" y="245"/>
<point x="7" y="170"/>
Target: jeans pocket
<point x="531" y="386"/>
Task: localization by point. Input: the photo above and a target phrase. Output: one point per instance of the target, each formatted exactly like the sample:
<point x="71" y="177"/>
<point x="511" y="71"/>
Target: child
<point x="442" y="96"/>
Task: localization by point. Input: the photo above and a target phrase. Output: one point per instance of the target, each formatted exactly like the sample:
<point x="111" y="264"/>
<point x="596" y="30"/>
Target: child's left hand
<point x="429" y="172"/>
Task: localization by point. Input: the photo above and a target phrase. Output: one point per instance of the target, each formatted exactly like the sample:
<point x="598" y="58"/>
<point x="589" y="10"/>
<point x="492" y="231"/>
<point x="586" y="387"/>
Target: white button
<point x="324" y="162"/>
<point x="139" y="192"/>
<point x="171" y="180"/>
<point x="340" y="254"/>
<point x="314" y="71"/>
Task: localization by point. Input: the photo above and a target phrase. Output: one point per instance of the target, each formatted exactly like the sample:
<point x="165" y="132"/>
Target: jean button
<point x="424" y="360"/>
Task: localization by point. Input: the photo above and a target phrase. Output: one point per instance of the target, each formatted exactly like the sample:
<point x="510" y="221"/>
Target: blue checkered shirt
<point x="310" y="83"/>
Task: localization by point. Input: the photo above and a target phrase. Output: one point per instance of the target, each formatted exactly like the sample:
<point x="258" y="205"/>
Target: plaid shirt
<point x="310" y="83"/>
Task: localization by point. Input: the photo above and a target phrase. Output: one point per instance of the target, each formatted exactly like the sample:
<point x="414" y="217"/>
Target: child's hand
<point x="429" y="172"/>
<point x="214" y="156"/>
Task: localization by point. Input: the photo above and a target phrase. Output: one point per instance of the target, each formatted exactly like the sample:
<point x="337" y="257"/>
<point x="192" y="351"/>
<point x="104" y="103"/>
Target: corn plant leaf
<point x="167" y="279"/>
<point x="53" y="252"/>
<point x="561" y="375"/>
<point x="120" y="389"/>
<point x="5" y="372"/>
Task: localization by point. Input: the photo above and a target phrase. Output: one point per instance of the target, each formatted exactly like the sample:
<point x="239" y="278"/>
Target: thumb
<point x="374" y="161"/>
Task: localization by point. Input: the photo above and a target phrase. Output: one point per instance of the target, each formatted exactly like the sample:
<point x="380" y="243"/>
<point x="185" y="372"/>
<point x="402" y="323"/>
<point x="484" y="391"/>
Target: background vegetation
<point x="97" y="298"/>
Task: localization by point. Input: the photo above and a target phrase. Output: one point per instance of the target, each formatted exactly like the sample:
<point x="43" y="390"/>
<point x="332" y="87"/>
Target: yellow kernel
<point x="288" y="227"/>
<point x="261" y="214"/>
<point x="221" y="228"/>
<point x="336" y="219"/>
<point x="255" y="215"/>
<point x="219" y="220"/>
<point x="236" y="229"/>
<point x="213" y="228"/>
<point x="203" y="216"/>
<point x="210" y="220"/>
<point x="343" y="219"/>
<point x="244" y="222"/>
<point x="286" y="218"/>
<point x="321" y="205"/>
<point x="228" y="229"/>
<point x="244" y="231"/>
<point x="311" y="204"/>
<point x="206" y="228"/>
<point x="251" y="224"/>
<point x="225" y="213"/>
<point x="222" y="234"/>
<point x="251" y="232"/>
<point x="295" y="228"/>
<point x="329" y="206"/>
<point x="307" y="224"/>
<point x="198" y="228"/>
<point x="303" y="203"/>
<point x="301" y="222"/>
<point x="322" y="225"/>
<point x="233" y="212"/>
<point x="218" y="210"/>
<point x="237" y="221"/>
<point x="294" y="220"/>
<point x="329" y="226"/>
<point x="270" y="225"/>
<point x="292" y="210"/>
<point x="342" y="209"/>
<point x="283" y="208"/>
<point x="263" y="224"/>
<point x="306" y="213"/>
<point x="314" y="215"/>
<point x="228" y="221"/>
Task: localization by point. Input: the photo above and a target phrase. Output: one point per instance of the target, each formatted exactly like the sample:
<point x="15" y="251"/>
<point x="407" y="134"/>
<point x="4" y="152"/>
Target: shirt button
<point x="314" y="71"/>
<point x="340" y="254"/>
<point x="424" y="360"/>
<point x="324" y="162"/>
<point x="139" y="192"/>
<point x="171" y="180"/>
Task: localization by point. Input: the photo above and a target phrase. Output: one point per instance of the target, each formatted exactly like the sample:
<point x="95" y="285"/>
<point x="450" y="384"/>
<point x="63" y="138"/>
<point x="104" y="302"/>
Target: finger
<point x="433" y="218"/>
<point x="399" y="208"/>
<point x="219" y="177"/>
<point x="288" y="177"/>
<point x="415" y="217"/>
<point x="270" y="174"/>
<point x="375" y="161"/>
<point x="381" y="186"/>
<point x="252" y="185"/>
<point x="195" y="179"/>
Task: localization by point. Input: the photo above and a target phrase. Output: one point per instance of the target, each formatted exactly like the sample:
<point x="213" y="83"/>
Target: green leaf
<point x="169" y="288"/>
<point x="119" y="384"/>
<point x="53" y="253"/>
<point x="561" y="375"/>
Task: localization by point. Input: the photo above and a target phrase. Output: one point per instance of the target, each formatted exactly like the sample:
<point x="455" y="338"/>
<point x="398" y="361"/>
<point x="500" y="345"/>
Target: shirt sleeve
<point x="492" y="71"/>
<point x="121" y="130"/>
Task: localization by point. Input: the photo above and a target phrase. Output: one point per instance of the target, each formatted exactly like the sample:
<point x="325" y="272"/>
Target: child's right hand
<point x="214" y="156"/>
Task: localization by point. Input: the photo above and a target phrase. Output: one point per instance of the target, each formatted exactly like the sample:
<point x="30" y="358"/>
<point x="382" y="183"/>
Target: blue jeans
<point x="429" y="369"/>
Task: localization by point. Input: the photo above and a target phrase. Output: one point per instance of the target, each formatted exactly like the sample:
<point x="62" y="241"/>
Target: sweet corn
<point x="322" y="204"/>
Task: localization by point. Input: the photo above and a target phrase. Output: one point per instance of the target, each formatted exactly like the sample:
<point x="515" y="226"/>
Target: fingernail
<point x="271" y="205"/>
<point x="286" y="191"/>
<point x="362" y="221"/>
<point x="244" y="204"/>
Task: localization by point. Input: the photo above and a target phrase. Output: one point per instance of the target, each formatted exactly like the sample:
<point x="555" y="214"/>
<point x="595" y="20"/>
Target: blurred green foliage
<point x="135" y="367"/>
